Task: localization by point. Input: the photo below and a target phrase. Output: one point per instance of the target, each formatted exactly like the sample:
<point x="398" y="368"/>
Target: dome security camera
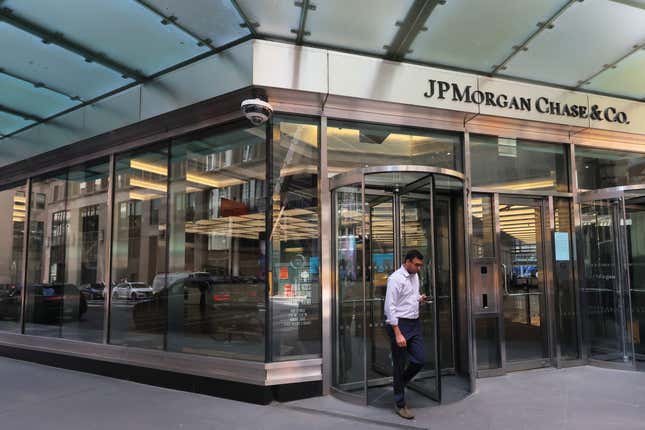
<point x="257" y="111"/>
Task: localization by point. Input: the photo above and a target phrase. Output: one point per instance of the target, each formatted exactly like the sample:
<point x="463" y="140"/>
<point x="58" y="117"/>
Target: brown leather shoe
<point x="404" y="412"/>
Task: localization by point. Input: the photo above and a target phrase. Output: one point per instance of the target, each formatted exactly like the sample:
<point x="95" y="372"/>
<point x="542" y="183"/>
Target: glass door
<point x="417" y="226"/>
<point x="635" y="238"/>
<point x="379" y="215"/>
<point x="349" y="349"/>
<point x="522" y="265"/>
<point x="611" y="259"/>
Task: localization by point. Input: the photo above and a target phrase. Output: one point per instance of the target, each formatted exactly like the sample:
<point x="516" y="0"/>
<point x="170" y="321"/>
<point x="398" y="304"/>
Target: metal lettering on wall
<point x="543" y="105"/>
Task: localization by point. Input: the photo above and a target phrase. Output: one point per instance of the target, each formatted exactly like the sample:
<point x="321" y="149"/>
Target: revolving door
<point x="379" y="214"/>
<point x="613" y="291"/>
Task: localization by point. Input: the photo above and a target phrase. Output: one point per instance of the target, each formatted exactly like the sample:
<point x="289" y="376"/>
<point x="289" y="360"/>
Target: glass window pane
<point x="50" y="299"/>
<point x="601" y="168"/>
<point x="513" y="164"/>
<point x="139" y="248"/>
<point x="567" y="313"/>
<point x="13" y="211"/>
<point x="295" y="299"/>
<point x="482" y="245"/>
<point x="216" y="280"/>
<point x="352" y="145"/>
<point x="85" y="242"/>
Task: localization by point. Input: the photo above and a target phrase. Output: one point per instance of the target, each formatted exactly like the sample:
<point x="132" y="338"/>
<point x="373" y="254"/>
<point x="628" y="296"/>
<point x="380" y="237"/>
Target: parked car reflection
<point x="132" y="291"/>
<point x="9" y="302"/>
<point x="202" y="304"/>
<point x="93" y="291"/>
<point x="54" y="303"/>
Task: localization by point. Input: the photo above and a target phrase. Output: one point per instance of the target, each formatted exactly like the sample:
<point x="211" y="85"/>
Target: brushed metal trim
<point x="250" y="372"/>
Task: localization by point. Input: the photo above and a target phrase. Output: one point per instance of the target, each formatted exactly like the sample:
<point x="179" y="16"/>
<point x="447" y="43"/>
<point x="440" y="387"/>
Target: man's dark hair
<point x="412" y="254"/>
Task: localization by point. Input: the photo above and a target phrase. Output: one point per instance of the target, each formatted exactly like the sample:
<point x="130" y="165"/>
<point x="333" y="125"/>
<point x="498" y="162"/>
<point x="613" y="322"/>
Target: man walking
<point x="404" y="327"/>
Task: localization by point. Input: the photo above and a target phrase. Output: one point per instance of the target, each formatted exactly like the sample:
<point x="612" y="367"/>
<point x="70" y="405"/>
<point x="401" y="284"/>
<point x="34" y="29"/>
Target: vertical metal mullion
<point x="396" y="221"/>
<point x="325" y="218"/>
<point x="268" y="220"/>
<point x="467" y="209"/>
<point x="66" y="194"/>
<point x="23" y="263"/>
<point x="365" y="236"/>
<point x="168" y="233"/>
<point x="451" y="283"/>
<point x="435" y="295"/>
<point x="499" y="290"/>
<point x="107" y="291"/>
<point x="625" y="285"/>
<point x="551" y="297"/>
<point x="577" y="266"/>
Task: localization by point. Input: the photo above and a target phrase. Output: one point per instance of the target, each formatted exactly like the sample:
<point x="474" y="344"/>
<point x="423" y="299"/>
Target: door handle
<point x="505" y="280"/>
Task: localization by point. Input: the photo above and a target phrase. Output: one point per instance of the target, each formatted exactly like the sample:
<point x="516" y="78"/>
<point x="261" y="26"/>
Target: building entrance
<point x="613" y="292"/>
<point x="381" y="213"/>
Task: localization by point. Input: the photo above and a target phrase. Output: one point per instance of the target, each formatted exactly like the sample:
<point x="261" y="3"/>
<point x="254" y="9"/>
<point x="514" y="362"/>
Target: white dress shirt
<point x="402" y="296"/>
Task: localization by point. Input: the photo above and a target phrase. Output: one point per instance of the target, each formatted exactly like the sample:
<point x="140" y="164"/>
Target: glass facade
<point x="210" y="243"/>
<point x="66" y="253"/>
<point x="603" y="168"/>
<point x="518" y="165"/>
<point x="139" y="248"/>
<point x="216" y="281"/>
<point x="295" y="240"/>
<point x="565" y="291"/>
<point x="352" y="145"/>
<point x="13" y="213"/>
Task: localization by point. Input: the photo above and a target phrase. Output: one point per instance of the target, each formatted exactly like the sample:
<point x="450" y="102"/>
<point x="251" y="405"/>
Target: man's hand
<point x="400" y="340"/>
<point x="423" y="298"/>
<point x="398" y="336"/>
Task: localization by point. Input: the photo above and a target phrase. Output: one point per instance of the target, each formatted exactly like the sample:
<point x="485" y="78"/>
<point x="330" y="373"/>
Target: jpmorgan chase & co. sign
<point x="443" y="90"/>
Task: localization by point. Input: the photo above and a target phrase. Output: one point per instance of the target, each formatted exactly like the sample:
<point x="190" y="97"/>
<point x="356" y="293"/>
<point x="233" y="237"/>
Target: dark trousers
<point x="411" y="330"/>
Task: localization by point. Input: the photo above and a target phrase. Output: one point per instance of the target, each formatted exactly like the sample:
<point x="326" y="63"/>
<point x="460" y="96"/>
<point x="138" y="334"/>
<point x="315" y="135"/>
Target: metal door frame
<point x="548" y="310"/>
<point x="355" y="177"/>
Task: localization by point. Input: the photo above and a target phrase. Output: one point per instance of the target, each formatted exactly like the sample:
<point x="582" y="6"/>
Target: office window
<point x="216" y="282"/>
<point x="295" y="240"/>
<point x="518" y="165"/>
<point x="139" y="248"/>
<point x="13" y="211"/>
<point x="352" y="145"/>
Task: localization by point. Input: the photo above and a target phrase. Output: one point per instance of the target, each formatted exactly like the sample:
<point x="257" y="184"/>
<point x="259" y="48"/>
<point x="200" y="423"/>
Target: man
<point x="404" y="327"/>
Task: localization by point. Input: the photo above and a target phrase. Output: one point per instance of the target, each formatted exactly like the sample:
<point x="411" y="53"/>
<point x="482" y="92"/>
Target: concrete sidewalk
<point x="35" y="397"/>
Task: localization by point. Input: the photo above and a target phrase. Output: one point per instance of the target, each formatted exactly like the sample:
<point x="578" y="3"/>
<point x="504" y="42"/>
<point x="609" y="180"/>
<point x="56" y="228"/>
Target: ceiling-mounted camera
<point x="257" y="110"/>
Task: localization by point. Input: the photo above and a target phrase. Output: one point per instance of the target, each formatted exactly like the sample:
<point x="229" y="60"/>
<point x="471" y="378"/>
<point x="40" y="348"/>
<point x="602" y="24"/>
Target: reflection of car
<point x="131" y="290"/>
<point x="162" y="279"/>
<point x="54" y="303"/>
<point x="10" y="302"/>
<point x="201" y="303"/>
<point x="93" y="291"/>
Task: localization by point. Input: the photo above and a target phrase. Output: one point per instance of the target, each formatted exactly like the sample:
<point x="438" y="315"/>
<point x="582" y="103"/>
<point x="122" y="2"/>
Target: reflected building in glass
<point x="193" y="248"/>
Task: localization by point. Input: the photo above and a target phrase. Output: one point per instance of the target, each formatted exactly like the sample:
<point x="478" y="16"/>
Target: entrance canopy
<point x="60" y="56"/>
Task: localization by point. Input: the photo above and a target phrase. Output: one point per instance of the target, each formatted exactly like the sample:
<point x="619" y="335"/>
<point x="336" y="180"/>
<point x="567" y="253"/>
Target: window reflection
<point x="352" y="145"/>
<point x="214" y="296"/>
<point x="13" y="211"/>
<point x="602" y="168"/>
<point x="139" y="248"/>
<point x="512" y="164"/>
<point x="567" y="313"/>
<point x="295" y="247"/>
<point x="66" y="254"/>
<point x="482" y="242"/>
